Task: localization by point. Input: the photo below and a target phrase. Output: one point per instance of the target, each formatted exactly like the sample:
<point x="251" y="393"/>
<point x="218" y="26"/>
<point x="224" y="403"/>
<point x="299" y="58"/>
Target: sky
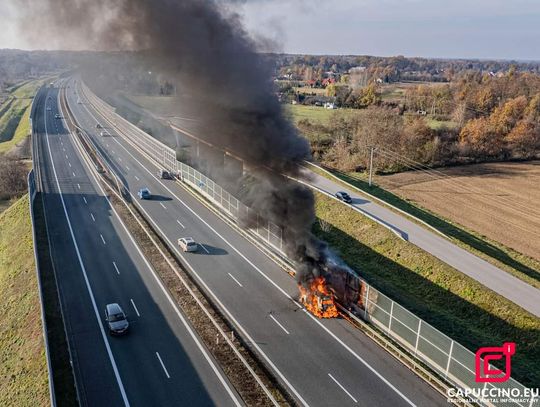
<point x="485" y="29"/>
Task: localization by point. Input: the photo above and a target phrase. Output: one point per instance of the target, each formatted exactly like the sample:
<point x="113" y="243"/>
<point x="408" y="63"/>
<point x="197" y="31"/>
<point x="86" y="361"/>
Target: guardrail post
<point x="449" y="359"/>
<point x="391" y="314"/>
<point x="417" y="336"/>
<point x="366" y="302"/>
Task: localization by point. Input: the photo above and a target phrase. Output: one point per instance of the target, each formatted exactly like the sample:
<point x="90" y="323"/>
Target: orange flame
<point x="318" y="299"/>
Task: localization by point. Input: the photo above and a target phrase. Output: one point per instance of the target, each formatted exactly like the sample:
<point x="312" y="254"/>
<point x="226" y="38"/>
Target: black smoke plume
<point x="201" y="46"/>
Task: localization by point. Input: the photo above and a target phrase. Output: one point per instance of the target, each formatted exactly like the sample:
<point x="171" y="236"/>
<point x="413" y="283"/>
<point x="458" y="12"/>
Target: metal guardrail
<point x="452" y="362"/>
<point x="32" y="192"/>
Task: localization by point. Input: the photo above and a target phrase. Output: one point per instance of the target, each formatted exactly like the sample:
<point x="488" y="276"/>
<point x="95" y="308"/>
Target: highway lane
<point x="503" y="283"/>
<point x="323" y="362"/>
<point x="160" y="362"/>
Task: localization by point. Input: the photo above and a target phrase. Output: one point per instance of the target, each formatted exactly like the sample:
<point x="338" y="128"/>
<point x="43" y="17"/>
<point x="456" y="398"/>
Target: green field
<point x="315" y="114"/>
<point x="452" y="302"/>
<point x="23" y="368"/>
<point x="21" y="132"/>
<point x="10" y="119"/>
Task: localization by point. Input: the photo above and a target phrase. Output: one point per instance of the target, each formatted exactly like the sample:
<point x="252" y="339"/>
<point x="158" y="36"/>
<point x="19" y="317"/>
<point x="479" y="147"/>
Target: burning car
<point x="318" y="299"/>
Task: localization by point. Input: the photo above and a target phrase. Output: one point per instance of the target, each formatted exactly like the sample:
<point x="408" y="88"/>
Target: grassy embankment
<point x="452" y="302"/>
<point x="23" y="368"/>
<point x="515" y="263"/>
<point x="13" y="128"/>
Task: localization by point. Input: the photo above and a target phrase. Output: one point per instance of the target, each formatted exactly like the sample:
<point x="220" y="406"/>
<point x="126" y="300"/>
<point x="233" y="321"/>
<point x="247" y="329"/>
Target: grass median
<point x="447" y="299"/>
<point x="23" y="367"/>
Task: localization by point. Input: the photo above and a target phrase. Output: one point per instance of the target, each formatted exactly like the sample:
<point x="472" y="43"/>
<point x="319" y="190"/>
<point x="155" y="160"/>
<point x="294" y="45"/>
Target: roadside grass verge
<point x="455" y="304"/>
<point x="21" y="132"/>
<point x="509" y="260"/>
<point x="23" y="367"/>
<point x="11" y="117"/>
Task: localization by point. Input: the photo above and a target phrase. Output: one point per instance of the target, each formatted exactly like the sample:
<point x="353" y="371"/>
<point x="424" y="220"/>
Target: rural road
<point x="503" y="283"/>
<point x="320" y="362"/>
<point x="158" y="362"/>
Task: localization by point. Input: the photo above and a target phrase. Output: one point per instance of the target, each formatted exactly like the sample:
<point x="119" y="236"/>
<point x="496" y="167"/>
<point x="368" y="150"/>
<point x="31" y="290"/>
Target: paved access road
<point x="503" y="283"/>
<point x="159" y="363"/>
<point x="321" y="362"/>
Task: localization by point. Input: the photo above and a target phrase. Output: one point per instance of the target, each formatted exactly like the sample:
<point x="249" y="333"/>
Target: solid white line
<point x="84" y="199"/>
<point x="163" y="366"/>
<point x="237" y="282"/>
<point x="135" y="307"/>
<point x="204" y="248"/>
<point x="277" y="322"/>
<point x="92" y="215"/>
<point x="116" y="267"/>
<point x="350" y="350"/>
<point x="103" y="240"/>
<point x="164" y="207"/>
<point x="172" y="303"/>
<point x="87" y="282"/>
<point x="180" y="223"/>
<point x="342" y="388"/>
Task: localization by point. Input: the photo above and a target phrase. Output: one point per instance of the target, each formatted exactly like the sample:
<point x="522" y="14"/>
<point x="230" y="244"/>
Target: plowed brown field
<point x="498" y="200"/>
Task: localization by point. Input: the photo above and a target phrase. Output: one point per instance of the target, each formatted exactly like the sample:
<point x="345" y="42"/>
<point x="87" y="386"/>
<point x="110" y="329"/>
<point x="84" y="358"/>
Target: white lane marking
<point x="103" y="240"/>
<point x="79" y="186"/>
<point x="163" y="366"/>
<point x="92" y="215"/>
<point x="127" y="168"/>
<point x="84" y="199"/>
<point x="204" y="248"/>
<point x="73" y="173"/>
<point x="164" y="207"/>
<point x="66" y="157"/>
<point x="116" y="267"/>
<point x="174" y="306"/>
<point x="64" y="150"/>
<point x="180" y="223"/>
<point x="69" y="165"/>
<point x="137" y="178"/>
<point x="135" y="307"/>
<point x="87" y="282"/>
<point x="281" y="326"/>
<point x="342" y="388"/>
<point x="120" y="159"/>
<point x="107" y="144"/>
<point x="237" y="282"/>
<point x="349" y="349"/>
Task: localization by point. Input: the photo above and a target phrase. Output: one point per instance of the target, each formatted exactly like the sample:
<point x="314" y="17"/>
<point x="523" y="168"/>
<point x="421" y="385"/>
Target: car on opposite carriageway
<point x="116" y="319"/>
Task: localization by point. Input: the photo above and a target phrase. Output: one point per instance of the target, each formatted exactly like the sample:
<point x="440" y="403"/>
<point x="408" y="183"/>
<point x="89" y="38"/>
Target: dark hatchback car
<point x="116" y="319"/>
<point x="344" y="196"/>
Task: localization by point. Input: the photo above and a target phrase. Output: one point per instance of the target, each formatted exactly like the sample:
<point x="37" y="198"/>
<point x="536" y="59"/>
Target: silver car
<point x="116" y="319"/>
<point x="187" y="244"/>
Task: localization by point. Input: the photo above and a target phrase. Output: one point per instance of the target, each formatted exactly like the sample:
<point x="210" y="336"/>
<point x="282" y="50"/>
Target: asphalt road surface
<point x="503" y="283"/>
<point x="321" y="362"/>
<point x="160" y="362"/>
